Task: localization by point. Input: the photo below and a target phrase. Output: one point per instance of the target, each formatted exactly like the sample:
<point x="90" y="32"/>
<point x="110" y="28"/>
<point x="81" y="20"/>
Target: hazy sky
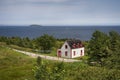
<point x="60" y="12"/>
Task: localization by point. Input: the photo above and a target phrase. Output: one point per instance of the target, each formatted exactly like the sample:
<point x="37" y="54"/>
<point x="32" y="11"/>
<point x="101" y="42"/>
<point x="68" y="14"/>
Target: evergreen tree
<point x="98" y="47"/>
<point x="114" y="60"/>
<point x="46" y="42"/>
<point x="105" y="49"/>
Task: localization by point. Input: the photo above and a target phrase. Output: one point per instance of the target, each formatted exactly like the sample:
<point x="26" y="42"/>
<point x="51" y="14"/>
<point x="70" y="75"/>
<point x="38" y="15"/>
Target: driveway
<point x="46" y="57"/>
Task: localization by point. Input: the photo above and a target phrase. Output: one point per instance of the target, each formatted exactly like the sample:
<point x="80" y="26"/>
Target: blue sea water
<point x="78" y="32"/>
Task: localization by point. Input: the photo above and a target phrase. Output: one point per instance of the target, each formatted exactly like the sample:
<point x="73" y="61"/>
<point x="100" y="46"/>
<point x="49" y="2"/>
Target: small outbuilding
<point x="71" y="49"/>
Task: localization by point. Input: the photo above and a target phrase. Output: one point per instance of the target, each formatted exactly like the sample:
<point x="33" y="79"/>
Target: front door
<point x="59" y="53"/>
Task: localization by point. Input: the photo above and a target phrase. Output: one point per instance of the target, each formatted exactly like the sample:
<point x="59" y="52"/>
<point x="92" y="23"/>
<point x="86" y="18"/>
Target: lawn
<point x="15" y="66"/>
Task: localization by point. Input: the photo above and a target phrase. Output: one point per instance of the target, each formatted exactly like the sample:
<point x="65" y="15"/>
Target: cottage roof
<point x="75" y="43"/>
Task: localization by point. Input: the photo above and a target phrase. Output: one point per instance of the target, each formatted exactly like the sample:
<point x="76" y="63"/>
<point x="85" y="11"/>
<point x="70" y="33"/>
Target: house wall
<point x="71" y="53"/>
<point x="63" y="50"/>
<point x="77" y="52"/>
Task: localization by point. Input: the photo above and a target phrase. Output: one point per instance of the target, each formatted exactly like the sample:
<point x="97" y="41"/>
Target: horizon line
<point x="60" y="25"/>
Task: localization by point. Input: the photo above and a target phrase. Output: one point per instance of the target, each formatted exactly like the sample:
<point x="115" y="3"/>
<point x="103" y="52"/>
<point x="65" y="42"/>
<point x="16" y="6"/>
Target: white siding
<point x="77" y="52"/>
<point x="63" y="50"/>
<point x="70" y="52"/>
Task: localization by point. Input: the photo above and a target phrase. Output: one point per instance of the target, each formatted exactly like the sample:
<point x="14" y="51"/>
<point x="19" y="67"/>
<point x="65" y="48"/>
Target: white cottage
<point x="71" y="49"/>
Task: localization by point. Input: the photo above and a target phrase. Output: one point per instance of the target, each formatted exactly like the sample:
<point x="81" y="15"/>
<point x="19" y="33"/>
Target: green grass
<point x="15" y="66"/>
<point x="52" y="53"/>
<point x="82" y="71"/>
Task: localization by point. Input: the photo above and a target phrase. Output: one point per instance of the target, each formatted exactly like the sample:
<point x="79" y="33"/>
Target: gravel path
<point x="46" y="57"/>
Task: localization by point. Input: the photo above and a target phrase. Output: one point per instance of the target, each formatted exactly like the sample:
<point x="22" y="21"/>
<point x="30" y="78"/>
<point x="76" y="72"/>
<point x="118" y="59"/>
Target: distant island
<point x="35" y="25"/>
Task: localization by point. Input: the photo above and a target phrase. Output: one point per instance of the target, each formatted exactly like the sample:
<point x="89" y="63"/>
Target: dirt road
<point x="46" y="57"/>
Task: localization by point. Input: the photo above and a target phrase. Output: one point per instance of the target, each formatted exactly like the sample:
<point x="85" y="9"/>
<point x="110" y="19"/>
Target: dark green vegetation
<point x="46" y="70"/>
<point x="43" y="44"/>
<point x="46" y="43"/>
<point x="22" y="42"/>
<point x="49" y="70"/>
<point x="104" y="50"/>
<point x="15" y="66"/>
<point x="102" y="60"/>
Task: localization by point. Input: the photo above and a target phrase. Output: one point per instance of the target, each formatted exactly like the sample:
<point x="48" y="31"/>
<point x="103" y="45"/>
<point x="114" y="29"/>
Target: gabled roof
<point x="73" y="43"/>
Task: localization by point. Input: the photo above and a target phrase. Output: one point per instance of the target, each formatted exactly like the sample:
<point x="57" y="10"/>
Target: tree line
<point x="104" y="49"/>
<point x="44" y="42"/>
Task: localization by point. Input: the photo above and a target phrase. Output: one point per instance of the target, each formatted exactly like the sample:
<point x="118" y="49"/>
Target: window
<point x="81" y="52"/>
<point x="74" y="53"/>
<point x="66" y="46"/>
<point x="65" y="53"/>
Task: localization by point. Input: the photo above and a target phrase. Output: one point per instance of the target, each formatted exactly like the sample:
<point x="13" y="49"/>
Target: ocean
<point x="77" y="32"/>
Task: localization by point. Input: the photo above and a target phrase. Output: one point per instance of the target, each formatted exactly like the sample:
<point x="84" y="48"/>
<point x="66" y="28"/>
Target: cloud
<point x="12" y="2"/>
<point x="58" y="11"/>
<point x="46" y="0"/>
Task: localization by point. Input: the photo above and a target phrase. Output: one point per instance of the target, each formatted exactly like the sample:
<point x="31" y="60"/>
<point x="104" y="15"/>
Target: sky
<point x="60" y="12"/>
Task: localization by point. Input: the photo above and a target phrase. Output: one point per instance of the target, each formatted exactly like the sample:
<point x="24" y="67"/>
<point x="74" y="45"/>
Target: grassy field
<point x="15" y="66"/>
